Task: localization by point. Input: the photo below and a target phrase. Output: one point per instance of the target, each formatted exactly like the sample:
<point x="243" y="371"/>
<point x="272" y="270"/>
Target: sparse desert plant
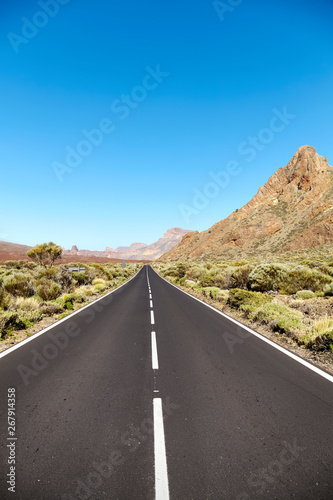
<point x="189" y="283"/>
<point x="211" y="292"/>
<point x="98" y="281"/>
<point x="48" y="290"/>
<point x="238" y="298"/>
<point x="50" y="273"/>
<point x="65" y="279"/>
<point x="24" y="304"/>
<point x="305" y="294"/>
<point x="4" y="298"/>
<point x="88" y="290"/>
<point x="320" y="337"/>
<point x="18" y="284"/>
<point x="80" y="294"/>
<point x="50" y="308"/>
<point x="17" y="320"/>
<point x="239" y="277"/>
<point x="207" y="279"/>
<point x="286" y="278"/>
<point x="328" y="289"/>
<point x="45" y="254"/>
<point x="83" y="278"/>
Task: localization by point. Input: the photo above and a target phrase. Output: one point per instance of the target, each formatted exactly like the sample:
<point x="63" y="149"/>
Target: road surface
<point x="148" y="393"/>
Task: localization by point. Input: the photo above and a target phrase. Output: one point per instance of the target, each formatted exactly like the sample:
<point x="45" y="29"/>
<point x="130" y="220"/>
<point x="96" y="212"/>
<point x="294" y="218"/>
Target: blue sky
<point x="116" y="117"/>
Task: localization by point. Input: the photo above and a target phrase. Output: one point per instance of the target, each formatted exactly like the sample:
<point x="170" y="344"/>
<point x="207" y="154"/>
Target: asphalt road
<point x="149" y="393"/>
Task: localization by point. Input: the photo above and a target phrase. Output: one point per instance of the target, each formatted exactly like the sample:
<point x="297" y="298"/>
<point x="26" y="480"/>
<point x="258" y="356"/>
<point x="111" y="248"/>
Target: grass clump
<point x="305" y="294"/>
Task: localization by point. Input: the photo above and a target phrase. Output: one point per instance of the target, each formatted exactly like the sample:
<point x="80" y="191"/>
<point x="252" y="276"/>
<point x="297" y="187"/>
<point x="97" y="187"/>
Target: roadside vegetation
<point x="32" y="291"/>
<point x="292" y="298"/>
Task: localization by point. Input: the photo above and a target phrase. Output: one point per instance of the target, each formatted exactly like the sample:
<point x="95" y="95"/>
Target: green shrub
<point x="238" y="297"/>
<point x="305" y="294"/>
<point x="189" y="283"/>
<point x="211" y="292"/>
<point x="286" y="278"/>
<point x="239" y="277"/>
<point x="50" y="273"/>
<point x="48" y="290"/>
<point x="4" y="298"/>
<point x="80" y="294"/>
<point x="24" y="304"/>
<point x="328" y="289"/>
<point x="322" y="343"/>
<point x="177" y="271"/>
<point x="65" y="279"/>
<point x="12" y="264"/>
<point x="18" y="285"/>
<point x="50" y="308"/>
<point x="207" y="279"/>
<point x="98" y="281"/>
<point x="264" y="309"/>
<point x="10" y="320"/>
<point x="83" y="278"/>
<point x="69" y="305"/>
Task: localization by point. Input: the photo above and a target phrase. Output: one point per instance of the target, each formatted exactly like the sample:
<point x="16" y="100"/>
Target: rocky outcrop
<point x="293" y="210"/>
<point x="137" y="251"/>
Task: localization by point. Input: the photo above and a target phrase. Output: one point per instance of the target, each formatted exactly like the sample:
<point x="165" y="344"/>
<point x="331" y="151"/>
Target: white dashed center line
<point x="154" y="351"/>
<point x="161" y="471"/>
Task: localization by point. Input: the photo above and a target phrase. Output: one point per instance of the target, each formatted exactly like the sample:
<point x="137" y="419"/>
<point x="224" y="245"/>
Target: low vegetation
<point x="294" y="297"/>
<point x="31" y="291"/>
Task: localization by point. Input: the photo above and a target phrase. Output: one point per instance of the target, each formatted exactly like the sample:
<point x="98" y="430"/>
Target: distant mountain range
<point x="292" y="211"/>
<point x="136" y="251"/>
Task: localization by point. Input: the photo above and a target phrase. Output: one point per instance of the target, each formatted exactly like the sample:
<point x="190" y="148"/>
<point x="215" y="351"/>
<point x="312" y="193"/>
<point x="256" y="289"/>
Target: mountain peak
<point x="292" y="210"/>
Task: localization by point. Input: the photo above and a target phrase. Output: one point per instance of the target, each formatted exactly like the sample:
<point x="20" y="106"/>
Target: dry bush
<point x="48" y="290"/>
<point x="18" y="284"/>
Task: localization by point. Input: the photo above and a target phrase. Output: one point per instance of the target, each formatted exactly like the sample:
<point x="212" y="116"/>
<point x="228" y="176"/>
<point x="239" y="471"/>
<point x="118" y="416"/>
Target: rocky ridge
<point x="292" y="211"/>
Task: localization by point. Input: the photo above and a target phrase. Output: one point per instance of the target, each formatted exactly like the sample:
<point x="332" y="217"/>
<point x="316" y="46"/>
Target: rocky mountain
<point x="292" y="211"/>
<point x="15" y="251"/>
<point x="136" y="251"/>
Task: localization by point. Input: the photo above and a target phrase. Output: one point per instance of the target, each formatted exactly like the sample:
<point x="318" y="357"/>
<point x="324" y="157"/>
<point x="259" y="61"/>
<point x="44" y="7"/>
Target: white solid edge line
<point x="152" y="319"/>
<point x="154" y="357"/>
<point x="270" y="342"/>
<point x="161" y="470"/>
<point x="20" y="344"/>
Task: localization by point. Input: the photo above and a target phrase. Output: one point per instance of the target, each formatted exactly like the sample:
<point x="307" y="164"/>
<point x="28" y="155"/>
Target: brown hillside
<point x="292" y="211"/>
<point x="14" y="251"/>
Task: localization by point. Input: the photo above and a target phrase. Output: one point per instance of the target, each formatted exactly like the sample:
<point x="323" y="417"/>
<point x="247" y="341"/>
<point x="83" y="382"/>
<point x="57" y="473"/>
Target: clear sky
<point x="120" y="120"/>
